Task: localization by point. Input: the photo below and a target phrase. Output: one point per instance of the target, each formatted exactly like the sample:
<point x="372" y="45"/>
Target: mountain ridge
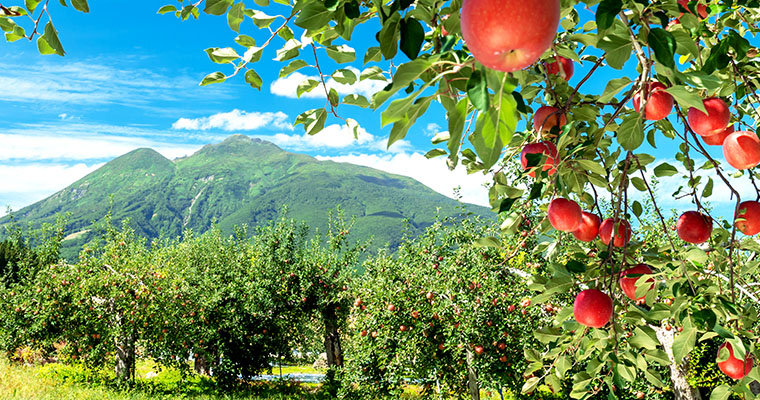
<point x="240" y="180"/>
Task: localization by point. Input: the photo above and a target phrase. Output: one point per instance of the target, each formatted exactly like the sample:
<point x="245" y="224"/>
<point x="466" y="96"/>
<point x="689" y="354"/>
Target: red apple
<point x="717" y="140"/>
<point x="733" y="367"/>
<point x="547" y="148"/>
<point x="546" y="118"/>
<point x="622" y="234"/>
<point x="391" y="307"/>
<point x="501" y="345"/>
<point x="479" y="349"/>
<point x="592" y="308"/>
<point x="748" y="218"/>
<point x="694" y="227"/>
<point x="511" y="308"/>
<point x="712" y="123"/>
<point x="415" y="314"/>
<point x="561" y="66"/>
<point x="589" y="227"/>
<point x="363" y="333"/>
<point x="659" y="102"/>
<point x="565" y="215"/>
<point x="509" y="35"/>
<point x="629" y="284"/>
<point x="503" y="359"/>
<point x="701" y="8"/>
<point x="402" y="328"/>
<point x="742" y="149"/>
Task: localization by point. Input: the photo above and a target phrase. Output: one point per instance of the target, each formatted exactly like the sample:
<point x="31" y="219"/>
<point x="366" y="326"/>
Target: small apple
<point x="694" y="227"/>
<point x="742" y="149"/>
<point x="565" y="215"/>
<point x="734" y="367"/>
<point x="748" y="218"/>
<point x="712" y="123"/>
<point x="391" y="307"/>
<point x="546" y="148"/>
<point x="561" y="66"/>
<point x="546" y="118"/>
<point x="479" y="349"/>
<point x="701" y="8"/>
<point x="629" y="284"/>
<point x="659" y="102"/>
<point x="363" y="333"/>
<point x="503" y="359"/>
<point x="495" y="31"/>
<point x="415" y="314"/>
<point x="589" y="227"/>
<point x="592" y="308"/>
<point x="622" y="234"/>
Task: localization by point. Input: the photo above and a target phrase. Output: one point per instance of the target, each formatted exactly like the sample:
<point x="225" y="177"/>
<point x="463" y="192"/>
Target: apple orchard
<point x="646" y="288"/>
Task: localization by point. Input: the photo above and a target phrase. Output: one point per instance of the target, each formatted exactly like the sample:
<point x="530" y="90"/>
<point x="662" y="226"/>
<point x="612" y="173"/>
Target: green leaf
<point x="245" y="41"/>
<point x="405" y="74"/>
<point x="707" y="191"/>
<point x="618" y="47"/>
<point x="235" y="16"/>
<point x="530" y="384"/>
<point x="372" y="54"/>
<point x="644" y="337"/>
<point x="412" y="37"/>
<point x="592" y="166"/>
<point x="356" y="100"/>
<point x="31" y="5"/>
<point x="488" y="153"/>
<point x="488" y="241"/>
<point x="400" y="128"/>
<point x="387" y="36"/>
<point x="456" y="117"/>
<point x="630" y="134"/>
<point x="253" y="79"/>
<point x="217" y="7"/>
<point x="165" y="9"/>
<point x="606" y="13"/>
<point x="289" y="51"/>
<point x="263" y="3"/>
<point x="435" y="153"/>
<point x="613" y="88"/>
<point x="306" y="86"/>
<point x="215" y="77"/>
<point x="81" y="5"/>
<point x="664" y="169"/>
<point x="684" y="342"/>
<point x="477" y="91"/>
<point x="262" y="19"/>
<point x="313" y="120"/>
<point x="721" y="392"/>
<point x="686" y="98"/>
<point x="341" y="54"/>
<point x="344" y="76"/>
<point x="222" y="55"/>
<point x="294" y="65"/>
<point x="664" y="45"/>
<point x="48" y="43"/>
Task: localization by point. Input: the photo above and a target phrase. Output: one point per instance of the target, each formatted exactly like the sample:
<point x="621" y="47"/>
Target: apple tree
<point x="680" y="75"/>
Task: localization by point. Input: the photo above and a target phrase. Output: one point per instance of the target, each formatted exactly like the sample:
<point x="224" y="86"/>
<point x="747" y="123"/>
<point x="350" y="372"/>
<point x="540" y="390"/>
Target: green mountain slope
<point x="240" y="181"/>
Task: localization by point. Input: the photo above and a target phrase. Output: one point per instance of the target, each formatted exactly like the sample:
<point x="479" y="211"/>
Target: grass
<point x="71" y="382"/>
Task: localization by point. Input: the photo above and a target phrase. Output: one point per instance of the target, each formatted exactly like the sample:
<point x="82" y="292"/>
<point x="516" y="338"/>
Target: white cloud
<point x="431" y="172"/>
<point x="335" y="137"/>
<point x="26" y="184"/>
<point x="39" y="147"/>
<point x="287" y="86"/>
<point x="236" y="120"/>
<point x="431" y="129"/>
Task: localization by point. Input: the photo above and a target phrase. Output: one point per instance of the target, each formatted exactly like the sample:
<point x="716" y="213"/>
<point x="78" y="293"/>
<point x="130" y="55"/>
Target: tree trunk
<point x="125" y="357"/>
<point x="200" y="365"/>
<point x="332" y="338"/>
<point x="681" y="387"/>
<point x="472" y="377"/>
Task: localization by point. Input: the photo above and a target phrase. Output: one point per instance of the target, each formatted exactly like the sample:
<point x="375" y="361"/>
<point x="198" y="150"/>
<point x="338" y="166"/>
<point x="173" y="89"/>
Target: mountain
<point x="240" y="181"/>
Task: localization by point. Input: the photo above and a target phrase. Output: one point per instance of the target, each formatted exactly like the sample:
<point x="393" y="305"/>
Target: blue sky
<point x="130" y="79"/>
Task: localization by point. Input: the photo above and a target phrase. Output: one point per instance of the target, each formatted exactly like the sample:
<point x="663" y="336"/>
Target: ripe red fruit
<point x="561" y="66"/>
<point x="742" y="149"/>
<point x="546" y="118"/>
<point x="415" y="314"/>
<point x="622" y="234"/>
<point x="511" y="308"/>
<point x="391" y="307"/>
<point x="373" y="334"/>
<point x="402" y="328"/>
<point x="717" y="140"/>
<point x="592" y="308"/>
<point x="565" y="215"/>
<point x="501" y="345"/>
<point x="479" y="349"/>
<point x="589" y="227"/>
<point x="441" y="346"/>
<point x="495" y="31"/>
<point x="547" y="148"/>
<point x="733" y="367"/>
<point x="701" y="8"/>
<point x="503" y="358"/>
<point x="694" y="227"/>
<point x="659" y="102"/>
<point x="712" y="123"/>
<point x="363" y="333"/>
<point x="629" y="284"/>
<point x="748" y="218"/>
